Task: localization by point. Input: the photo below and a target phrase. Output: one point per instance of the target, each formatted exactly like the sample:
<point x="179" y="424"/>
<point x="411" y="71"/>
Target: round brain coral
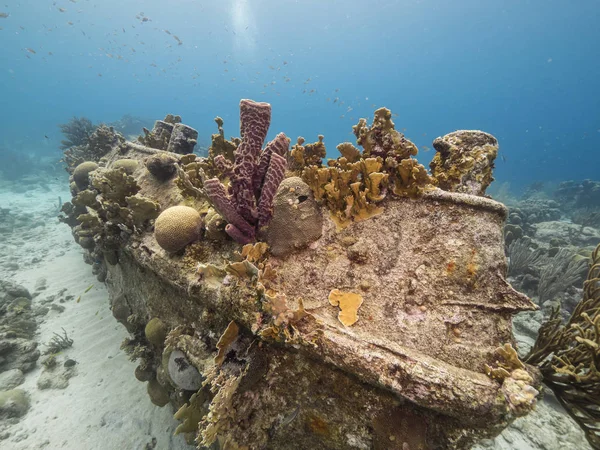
<point x="176" y="227"/>
<point x="127" y="164"/>
<point x="81" y="173"/>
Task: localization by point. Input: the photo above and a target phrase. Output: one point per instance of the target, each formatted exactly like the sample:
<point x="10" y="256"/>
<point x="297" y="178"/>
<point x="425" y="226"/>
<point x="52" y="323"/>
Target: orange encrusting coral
<point x="349" y="303"/>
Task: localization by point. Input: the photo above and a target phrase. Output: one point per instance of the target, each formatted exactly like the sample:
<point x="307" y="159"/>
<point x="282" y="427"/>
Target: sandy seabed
<point x="104" y="407"/>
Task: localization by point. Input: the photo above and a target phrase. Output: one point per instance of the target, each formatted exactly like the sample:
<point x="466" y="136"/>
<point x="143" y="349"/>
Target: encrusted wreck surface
<point x="377" y="328"/>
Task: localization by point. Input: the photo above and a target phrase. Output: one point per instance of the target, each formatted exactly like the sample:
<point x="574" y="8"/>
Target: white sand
<point x="104" y="406"/>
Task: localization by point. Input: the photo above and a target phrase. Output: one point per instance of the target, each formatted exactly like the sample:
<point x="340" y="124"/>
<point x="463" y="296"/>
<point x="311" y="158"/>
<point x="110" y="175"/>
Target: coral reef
<point x="464" y="161"/>
<point x="107" y="212"/>
<point x="382" y="297"/>
<point x="584" y="194"/>
<point x="567" y="356"/>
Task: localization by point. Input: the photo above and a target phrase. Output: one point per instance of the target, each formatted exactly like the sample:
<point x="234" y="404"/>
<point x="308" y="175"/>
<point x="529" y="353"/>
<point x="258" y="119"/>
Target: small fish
<point x="425" y="148"/>
<point x="4" y="15"/>
<point x="70" y="23"/>
<point x="289" y="419"/>
<point x="46" y="136"/>
<point x="30" y="50"/>
<point x="88" y="289"/>
<point x="78" y="299"/>
<point x="503" y="158"/>
<point x="167" y="31"/>
<point x="22" y="28"/>
<point x="62" y="10"/>
<point x="50" y="53"/>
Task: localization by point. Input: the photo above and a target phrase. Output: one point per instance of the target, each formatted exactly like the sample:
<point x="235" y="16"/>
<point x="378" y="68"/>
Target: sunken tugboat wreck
<point x="277" y="301"/>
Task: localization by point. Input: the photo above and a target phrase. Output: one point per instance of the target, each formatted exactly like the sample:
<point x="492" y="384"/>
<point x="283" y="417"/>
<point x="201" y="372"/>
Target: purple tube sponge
<point x="248" y="204"/>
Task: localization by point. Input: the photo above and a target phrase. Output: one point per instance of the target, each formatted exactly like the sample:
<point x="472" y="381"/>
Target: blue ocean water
<point x="525" y="71"/>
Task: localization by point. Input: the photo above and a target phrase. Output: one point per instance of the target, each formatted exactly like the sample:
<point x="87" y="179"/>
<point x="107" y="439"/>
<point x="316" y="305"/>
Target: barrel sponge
<point x="80" y="174"/>
<point x="176" y="227"/>
<point x="297" y="220"/>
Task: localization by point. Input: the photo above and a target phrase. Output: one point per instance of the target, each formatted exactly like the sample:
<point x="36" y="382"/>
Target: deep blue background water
<point x="525" y="71"/>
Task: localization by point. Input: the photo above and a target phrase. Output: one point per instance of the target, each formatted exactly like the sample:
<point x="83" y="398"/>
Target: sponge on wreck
<point x="176" y="227"/>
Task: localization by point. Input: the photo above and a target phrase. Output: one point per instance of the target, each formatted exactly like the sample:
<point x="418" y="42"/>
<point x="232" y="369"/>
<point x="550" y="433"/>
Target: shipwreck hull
<point x="412" y="369"/>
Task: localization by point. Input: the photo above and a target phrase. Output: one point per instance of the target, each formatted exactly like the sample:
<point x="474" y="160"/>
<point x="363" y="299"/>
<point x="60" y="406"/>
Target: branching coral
<point x="354" y="184"/>
<point x="247" y="203"/>
<point x="561" y="272"/>
<point x="516" y="381"/>
<point x="58" y="342"/>
<point x="567" y="356"/>
<point x="302" y="155"/>
<point x="97" y="144"/>
<point x="77" y="131"/>
<point x="521" y="256"/>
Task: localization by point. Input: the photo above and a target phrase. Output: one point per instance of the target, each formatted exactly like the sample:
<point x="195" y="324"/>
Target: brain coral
<point x="81" y="172"/>
<point x="128" y="165"/>
<point x="176" y="227"/>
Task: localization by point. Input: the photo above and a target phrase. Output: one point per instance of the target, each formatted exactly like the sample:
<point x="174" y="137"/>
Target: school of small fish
<point x="128" y="44"/>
